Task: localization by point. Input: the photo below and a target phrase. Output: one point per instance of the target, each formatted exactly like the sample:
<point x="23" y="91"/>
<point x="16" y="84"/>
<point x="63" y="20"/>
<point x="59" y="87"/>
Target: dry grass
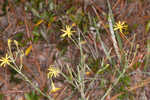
<point x="96" y="61"/>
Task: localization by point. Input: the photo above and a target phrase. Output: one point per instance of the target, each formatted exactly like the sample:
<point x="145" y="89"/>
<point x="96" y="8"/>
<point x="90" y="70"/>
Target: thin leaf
<point x="35" y="12"/>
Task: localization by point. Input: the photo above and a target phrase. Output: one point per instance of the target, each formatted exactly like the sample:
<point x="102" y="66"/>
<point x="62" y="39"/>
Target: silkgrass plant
<point x="77" y="77"/>
<point x="124" y="57"/>
<point x="53" y="72"/>
<point x="78" y="81"/>
<point x="10" y="60"/>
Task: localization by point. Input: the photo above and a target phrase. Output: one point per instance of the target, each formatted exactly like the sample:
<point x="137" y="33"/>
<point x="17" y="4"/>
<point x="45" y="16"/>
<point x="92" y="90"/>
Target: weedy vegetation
<point x="74" y="50"/>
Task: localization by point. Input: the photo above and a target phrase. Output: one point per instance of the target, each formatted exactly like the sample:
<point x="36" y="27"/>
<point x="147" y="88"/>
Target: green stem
<point x="27" y="79"/>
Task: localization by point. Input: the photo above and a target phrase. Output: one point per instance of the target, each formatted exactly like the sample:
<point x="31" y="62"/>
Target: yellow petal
<point x="9" y="42"/>
<point x="63" y="30"/>
<point x="28" y="50"/>
<point x="2" y="64"/>
<point x="39" y="22"/>
<point x="55" y="90"/>
<point x="73" y="24"/>
<point x="63" y="35"/>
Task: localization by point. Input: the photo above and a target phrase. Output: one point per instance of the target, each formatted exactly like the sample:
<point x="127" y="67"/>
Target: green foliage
<point x="19" y="37"/>
<point x="80" y="19"/>
<point x="31" y="96"/>
<point x="62" y="46"/>
<point x="36" y="34"/>
<point x="134" y="26"/>
<point x="4" y="7"/>
<point x="103" y="83"/>
<point x="35" y="12"/>
<point x="147" y="26"/>
<point x="94" y="64"/>
<point x="136" y="65"/>
<point x="1" y="96"/>
<point x="13" y="77"/>
<point x="123" y="96"/>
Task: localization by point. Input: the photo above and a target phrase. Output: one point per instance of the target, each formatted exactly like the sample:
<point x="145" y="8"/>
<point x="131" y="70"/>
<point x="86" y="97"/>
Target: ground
<point x="74" y="49"/>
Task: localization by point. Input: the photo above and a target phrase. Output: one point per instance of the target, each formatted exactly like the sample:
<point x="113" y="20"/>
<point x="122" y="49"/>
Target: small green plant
<point x="31" y="96"/>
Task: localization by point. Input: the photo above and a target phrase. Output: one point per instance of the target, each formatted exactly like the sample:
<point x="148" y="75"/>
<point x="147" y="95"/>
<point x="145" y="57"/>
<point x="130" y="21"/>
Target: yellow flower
<point x="53" y="71"/>
<point x="120" y="26"/>
<point x="54" y="89"/>
<point x="67" y="31"/>
<point x="5" y="61"/>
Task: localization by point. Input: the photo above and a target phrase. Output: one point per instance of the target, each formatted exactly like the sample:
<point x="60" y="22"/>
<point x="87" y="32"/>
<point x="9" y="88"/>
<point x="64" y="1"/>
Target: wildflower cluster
<point x="53" y="72"/>
<point x="10" y="59"/>
<point x="9" y="56"/>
